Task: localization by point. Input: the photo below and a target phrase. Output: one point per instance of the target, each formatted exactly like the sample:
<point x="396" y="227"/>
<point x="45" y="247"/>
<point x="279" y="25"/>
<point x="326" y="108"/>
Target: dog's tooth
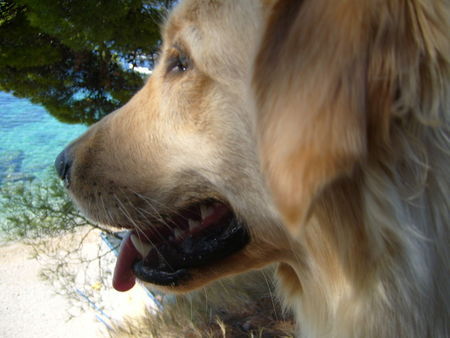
<point x="206" y="211"/>
<point x="142" y="247"/>
<point x="177" y="232"/>
<point x="193" y="224"/>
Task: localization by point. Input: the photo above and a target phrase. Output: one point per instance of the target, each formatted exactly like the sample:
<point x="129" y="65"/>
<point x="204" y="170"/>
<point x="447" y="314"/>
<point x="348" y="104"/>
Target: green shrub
<point x="37" y="209"/>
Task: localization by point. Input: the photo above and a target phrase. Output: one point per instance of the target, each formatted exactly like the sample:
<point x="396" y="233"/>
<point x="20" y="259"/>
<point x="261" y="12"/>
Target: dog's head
<point x="177" y="165"/>
<point x="323" y="88"/>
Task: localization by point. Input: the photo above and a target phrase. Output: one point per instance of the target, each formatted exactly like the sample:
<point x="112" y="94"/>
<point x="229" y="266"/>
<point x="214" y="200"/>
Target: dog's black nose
<point x="62" y="165"/>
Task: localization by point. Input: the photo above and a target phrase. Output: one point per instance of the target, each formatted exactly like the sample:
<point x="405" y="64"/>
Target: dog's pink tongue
<point x="124" y="278"/>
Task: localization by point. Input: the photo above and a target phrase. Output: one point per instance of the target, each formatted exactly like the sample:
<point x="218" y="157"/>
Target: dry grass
<point x="243" y="306"/>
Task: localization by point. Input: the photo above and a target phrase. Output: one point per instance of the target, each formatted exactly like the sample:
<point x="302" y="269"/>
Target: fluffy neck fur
<point x="376" y="240"/>
<point x="377" y="243"/>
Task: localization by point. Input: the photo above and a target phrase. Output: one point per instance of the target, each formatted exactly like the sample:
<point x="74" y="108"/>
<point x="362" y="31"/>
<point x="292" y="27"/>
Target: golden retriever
<point x="313" y="134"/>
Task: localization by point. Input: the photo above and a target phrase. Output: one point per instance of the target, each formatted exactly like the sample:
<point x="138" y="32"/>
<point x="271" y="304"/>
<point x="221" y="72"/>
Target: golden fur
<point x="346" y="103"/>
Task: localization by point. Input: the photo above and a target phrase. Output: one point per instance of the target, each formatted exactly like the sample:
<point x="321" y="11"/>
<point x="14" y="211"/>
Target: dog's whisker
<point x="126" y="214"/>
<point x="153" y="201"/>
<point x="150" y="203"/>
<point x="161" y="220"/>
<point x="148" y="216"/>
<point x="138" y="210"/>
<point x="106" y="211"/>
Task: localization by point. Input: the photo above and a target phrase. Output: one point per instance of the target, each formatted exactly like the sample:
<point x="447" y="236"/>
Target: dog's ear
<point x="309" y="80"/>
<point x="328" y="78"/>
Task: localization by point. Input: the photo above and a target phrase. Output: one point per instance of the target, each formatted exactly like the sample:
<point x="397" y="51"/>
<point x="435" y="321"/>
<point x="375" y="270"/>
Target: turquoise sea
<point x="30" y="139"/>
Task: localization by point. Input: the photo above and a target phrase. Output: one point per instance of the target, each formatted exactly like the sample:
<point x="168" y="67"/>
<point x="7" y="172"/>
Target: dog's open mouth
<point x="195" y="237"/>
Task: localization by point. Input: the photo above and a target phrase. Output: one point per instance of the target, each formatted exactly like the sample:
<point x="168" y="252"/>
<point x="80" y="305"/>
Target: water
<point x="30" y="139"/>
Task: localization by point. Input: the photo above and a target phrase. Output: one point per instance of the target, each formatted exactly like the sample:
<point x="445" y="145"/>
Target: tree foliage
<point x="36" y="209"/>
<point x="72" y="56"/>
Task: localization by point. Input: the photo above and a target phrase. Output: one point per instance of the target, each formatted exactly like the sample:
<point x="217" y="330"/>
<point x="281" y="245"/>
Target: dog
<point x="310" y="134"/>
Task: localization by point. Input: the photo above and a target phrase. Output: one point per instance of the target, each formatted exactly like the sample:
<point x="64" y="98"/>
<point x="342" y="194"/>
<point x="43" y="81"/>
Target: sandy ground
<point x="29" y="307"/>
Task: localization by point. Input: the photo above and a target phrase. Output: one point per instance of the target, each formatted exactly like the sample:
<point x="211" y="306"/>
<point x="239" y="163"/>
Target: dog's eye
<point x="178" y="64"/>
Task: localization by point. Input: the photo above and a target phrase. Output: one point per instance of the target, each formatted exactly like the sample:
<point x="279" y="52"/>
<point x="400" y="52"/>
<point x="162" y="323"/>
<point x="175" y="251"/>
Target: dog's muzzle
<point x="63" y="164"/>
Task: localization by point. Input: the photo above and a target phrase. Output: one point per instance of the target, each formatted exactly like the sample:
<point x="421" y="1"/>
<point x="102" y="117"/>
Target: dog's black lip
<point x="169" y="265"/>
<point x="158" y="277"/>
